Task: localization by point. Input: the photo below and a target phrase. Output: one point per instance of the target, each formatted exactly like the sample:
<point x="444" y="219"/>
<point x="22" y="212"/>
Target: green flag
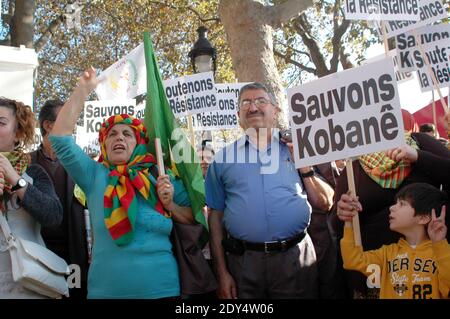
<point x="160" y="122"/>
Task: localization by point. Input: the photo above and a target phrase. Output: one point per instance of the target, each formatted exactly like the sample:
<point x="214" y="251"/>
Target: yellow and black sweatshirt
<point x="406" y="272"/>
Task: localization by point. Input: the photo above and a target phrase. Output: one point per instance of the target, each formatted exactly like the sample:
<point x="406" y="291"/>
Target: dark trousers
<point x="277" y="275"/>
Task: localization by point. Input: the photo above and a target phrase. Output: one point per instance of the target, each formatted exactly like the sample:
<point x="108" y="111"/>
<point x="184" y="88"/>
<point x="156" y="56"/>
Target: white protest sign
<point x="226" y="116"/>
<point x="381" y="9"/>
<point x="400" y="76"/>
<point x="438" y="55"/>
<point x="87" y="141"/>
<point x="346" y="114"/>
<point x="191" y="94"/>
<point x="126" y="78"/>
<point x="406" y="42"/>
<point x="95" y="112"/>
<point x="430" y="11"/>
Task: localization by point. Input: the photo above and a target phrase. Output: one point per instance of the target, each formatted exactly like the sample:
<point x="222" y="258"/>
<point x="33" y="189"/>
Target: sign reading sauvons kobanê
<point x="346" y="114"/>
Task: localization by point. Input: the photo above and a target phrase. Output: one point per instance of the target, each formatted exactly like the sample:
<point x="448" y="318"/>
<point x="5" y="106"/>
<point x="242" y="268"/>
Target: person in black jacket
<point x="67" y="240"/>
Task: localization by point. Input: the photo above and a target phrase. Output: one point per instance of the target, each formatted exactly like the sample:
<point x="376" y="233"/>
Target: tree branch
<point x="303" y="28"/>
<point x="339" y="31"/>
<point x="345" y="61"/>
<point x="293" y="50"/>
<point x="285" y="12"/>
<point x="6" y="17"/>
<point x="47" y="34"/>
<point x="199" y="16"/>
<point x="296" y="63"/>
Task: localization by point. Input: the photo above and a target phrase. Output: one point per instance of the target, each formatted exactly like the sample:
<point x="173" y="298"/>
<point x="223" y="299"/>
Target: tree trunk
<point x="22" y="27"/>
<point x="249" y="34"/>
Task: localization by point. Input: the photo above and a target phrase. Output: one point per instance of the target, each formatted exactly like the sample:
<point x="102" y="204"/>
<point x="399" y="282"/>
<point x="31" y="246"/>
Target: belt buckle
<point x="267" y="243"/>
<point x="283" y="245"/>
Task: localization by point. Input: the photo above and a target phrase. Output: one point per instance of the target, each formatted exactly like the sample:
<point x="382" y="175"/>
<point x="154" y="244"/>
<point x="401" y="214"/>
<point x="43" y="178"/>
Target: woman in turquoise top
<point x="131" y="211"/>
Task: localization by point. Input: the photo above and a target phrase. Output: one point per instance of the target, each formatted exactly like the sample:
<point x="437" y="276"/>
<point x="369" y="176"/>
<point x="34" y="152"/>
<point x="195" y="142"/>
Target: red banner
<point x="425" y="115"/>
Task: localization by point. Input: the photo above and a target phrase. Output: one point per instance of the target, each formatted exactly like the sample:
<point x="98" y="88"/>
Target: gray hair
<point x="257" y="86"/>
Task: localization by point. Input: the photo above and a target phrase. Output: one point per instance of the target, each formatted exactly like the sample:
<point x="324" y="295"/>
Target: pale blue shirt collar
<point x="275" y="138"/>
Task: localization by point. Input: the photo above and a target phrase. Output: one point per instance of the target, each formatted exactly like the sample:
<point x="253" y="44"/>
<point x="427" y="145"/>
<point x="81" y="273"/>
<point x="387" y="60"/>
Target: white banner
<point x="346" y="114"/>
<point x="227" y="116"/>
<point x="430" y="11"/>
<point x="95" y="112"/>
<point x="191" y="94"/>
<point x="126" y="78"/>
<point x="381" y="9"/>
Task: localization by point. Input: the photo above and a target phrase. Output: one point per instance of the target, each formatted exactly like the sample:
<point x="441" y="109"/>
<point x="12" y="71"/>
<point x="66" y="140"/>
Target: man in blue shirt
<point x="259" y="209"/>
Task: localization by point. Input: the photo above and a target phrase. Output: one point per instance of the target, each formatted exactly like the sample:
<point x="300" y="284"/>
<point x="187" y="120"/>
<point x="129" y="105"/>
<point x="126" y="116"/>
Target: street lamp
<point x="203" y="59"/>
<point x="203" y="54"/>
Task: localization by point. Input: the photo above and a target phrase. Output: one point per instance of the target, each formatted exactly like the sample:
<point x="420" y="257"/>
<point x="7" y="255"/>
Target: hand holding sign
<point x="347" y="207"/>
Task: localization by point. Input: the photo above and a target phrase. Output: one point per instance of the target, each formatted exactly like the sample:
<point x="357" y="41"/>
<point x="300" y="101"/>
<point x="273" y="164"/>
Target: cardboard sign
<point x="191" y="94"/>
<point x="346" y="114"/>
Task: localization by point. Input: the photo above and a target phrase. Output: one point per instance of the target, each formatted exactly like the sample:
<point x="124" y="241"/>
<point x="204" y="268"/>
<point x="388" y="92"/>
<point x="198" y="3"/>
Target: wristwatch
<point x="308" y="174"/>
<point x="21" y="183"/>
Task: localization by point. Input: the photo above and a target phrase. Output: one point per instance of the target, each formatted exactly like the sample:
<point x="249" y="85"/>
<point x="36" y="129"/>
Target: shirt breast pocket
<point x="289" y="175"/>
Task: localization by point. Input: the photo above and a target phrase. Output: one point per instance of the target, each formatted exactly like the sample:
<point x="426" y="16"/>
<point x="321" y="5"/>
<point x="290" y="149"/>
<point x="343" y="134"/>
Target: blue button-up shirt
<point x="259" y="191"/>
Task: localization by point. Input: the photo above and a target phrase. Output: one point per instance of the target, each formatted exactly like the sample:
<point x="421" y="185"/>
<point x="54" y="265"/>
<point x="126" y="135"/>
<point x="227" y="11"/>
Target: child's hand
<point x="436" y="227"/>
<point x="347" y="207"/>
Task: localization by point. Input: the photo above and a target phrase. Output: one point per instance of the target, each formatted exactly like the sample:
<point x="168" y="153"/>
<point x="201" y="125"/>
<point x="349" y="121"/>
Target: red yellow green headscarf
<point x="120" y="202"/>
<point x="384" y="171"/>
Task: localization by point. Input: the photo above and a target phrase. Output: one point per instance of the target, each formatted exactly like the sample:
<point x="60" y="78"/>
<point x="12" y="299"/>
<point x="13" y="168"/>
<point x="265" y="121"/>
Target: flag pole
<point x="191" y="130"/>
<point x="159" y="156"/>
<point x="351" y="186"/>
<point x="385" y="40"/>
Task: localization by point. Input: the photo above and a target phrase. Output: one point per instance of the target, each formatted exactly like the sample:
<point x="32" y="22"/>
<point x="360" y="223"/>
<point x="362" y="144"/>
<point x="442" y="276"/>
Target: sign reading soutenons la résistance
<point x="346" y="114"/>
<point x="191" y="94"/>
<point x="381" y="9"/>
<point x="226" y="117"/>
<point x="430" y="11"/>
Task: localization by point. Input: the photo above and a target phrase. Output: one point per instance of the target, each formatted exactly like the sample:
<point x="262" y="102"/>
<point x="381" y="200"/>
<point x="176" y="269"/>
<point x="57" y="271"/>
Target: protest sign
<point x="124" y="79"/>
<point x="95" y="112"/>
<point x="346" y="114"/>
<point x="426" y="35"/>
<point x="226" y="116"/>
<point x="381" y="9"/>
<point x="430" y="11"/>
<point x="400" y="76"/>
<point x="191" y="94"/>
<point x="437" y="54"/>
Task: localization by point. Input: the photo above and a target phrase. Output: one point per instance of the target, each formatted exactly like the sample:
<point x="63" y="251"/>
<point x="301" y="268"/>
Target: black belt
<point x="272" y="246"/>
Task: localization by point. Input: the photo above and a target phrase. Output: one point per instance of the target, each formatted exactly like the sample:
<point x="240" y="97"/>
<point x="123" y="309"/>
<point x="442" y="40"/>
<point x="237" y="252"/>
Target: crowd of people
<point x="274" y="231"/>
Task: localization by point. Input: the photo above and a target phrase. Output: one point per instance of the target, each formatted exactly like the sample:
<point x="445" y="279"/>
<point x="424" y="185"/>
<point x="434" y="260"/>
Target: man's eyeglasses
<point x="259" y="102"/>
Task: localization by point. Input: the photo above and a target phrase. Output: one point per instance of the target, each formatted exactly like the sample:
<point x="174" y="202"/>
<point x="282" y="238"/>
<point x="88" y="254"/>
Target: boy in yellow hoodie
<point x="418" y="266"/>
